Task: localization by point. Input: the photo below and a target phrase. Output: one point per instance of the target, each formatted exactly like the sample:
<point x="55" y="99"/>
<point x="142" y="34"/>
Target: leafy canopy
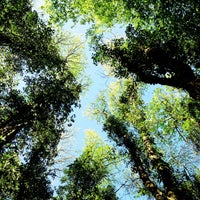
<point x="161" y="44"/>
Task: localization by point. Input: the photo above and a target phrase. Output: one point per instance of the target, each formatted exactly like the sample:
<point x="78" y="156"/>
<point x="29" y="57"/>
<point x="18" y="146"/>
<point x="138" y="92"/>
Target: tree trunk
<point x="193" y="88"/>
<point x="144" y="176"/>
<point x="163" y="169"/>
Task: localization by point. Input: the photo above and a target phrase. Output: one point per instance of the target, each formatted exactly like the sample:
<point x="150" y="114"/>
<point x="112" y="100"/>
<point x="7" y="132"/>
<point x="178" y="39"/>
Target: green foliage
<point x="35" y="173"/>
<point x="38" y="88"/>
<point x="101" y="12"/>
<point x="169" y="114"/>
<point x="10" y="174"/>
<point x="88" y="177"/>
<point x="161" y="44"/>
<point x="155" y="137"/>
<point x="37" y="91"/>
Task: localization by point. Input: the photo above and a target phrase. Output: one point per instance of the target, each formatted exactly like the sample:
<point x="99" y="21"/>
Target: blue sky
<point x="72" y="146"/>
<point x="99" y="81"/>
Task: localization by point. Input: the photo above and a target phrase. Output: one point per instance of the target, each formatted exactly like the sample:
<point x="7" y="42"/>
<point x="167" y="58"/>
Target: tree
<point x="159" y="47"/>
<point x="89" y="176"/>
<point x="38" y="90"/>
<point x="163" y="174"/>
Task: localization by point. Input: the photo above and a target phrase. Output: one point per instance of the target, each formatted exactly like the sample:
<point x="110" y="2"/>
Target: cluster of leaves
<point x="101" y="12"/>
<point x="171" y="114"/>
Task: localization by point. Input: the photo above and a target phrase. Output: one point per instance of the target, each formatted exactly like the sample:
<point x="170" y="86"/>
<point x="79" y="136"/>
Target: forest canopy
<point x="153" y="148"/>
<point x="162" y="38"/>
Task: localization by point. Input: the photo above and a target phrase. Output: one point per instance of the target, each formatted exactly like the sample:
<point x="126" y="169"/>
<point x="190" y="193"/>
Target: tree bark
<point x="193" y="88"/>
<point x="144" y="176"/>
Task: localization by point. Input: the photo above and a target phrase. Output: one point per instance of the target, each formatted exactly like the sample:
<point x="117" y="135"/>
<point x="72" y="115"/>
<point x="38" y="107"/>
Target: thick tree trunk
<point x="193" y="88"/>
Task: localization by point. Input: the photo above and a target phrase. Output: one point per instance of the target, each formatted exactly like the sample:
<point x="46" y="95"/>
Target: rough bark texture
<point x="148" y="183"/>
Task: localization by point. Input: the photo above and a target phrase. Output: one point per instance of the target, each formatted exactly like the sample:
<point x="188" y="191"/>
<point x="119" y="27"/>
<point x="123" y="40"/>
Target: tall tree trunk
<point x="163" y="169"/>
<point x="118" y="132"/>
<point x="144" y="176"/>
